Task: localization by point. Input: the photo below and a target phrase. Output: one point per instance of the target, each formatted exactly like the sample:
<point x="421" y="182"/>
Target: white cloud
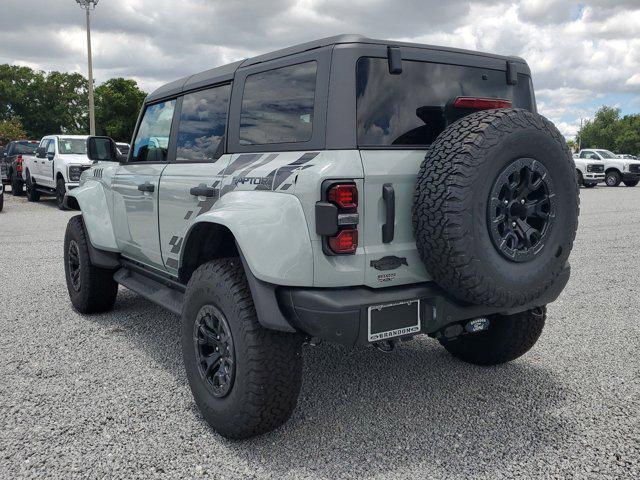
<point x="577" y="51"/>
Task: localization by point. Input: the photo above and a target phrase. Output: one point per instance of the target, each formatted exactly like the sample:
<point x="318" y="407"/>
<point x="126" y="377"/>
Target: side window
<point x="152" y="139"/>
<point x="203" y="120"/>
<point x="584" y="153"/>
<point x="51" y="148"/>
<point x="44" y="143"/>
<point x="277" y="105"/>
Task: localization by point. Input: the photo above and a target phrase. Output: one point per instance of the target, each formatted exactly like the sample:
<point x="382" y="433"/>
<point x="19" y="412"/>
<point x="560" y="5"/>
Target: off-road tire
<point x="451" y="207"/>
<point x="1" y="201"/>
<point x="631" y="183"/>
<point x="98" y="289"/>
<point x="268" y="364"/>
<point x="32" y="194"/>
<point x="612" y="178"/>
<point x="16" y="186"/>
<point x="61" y="190"/>
<point x="580" y="178"/>
<point x="508" y="337"/>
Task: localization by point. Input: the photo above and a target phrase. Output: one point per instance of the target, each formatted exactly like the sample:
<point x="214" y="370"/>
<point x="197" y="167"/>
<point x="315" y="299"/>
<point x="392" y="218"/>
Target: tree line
<point x="611" y="131"/>
<point x="34" y="103"/>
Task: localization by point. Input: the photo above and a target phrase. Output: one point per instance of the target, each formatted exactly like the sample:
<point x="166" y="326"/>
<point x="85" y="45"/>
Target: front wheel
<point x="613" y="179"/>
<point x="631" y="183"/>
<point x="61" y="191"/>
<point x="91" y="289"/>
<point x="245" y="379"/>
<point x="508" y="337"/>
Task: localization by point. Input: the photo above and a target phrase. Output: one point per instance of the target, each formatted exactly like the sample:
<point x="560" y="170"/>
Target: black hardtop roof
<point x="225" y="73"/>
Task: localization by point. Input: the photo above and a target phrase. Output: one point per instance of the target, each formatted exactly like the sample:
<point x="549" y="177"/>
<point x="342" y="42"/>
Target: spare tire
<point x="496" y="207"/>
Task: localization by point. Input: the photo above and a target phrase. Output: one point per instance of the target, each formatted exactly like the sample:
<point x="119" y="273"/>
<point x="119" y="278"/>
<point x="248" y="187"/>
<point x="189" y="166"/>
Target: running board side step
<point x="169" y="298"/>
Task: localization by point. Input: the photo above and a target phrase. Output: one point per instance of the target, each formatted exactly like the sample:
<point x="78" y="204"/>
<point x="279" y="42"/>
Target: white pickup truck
<point x="589" y="172"/>
<point x="56" y="167"/>
<point x="616" y="169"/>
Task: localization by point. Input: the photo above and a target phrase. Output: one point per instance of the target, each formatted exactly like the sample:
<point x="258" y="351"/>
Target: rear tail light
<point x="345" y="196"/>
<point x="19" y="163"/>
<point x="345" y="242"/>
<point x="337" y="218"/>
<point x="480" y="103"/>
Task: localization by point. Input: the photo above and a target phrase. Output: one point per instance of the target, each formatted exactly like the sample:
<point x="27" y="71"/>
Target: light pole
<point x="89" y="5"/>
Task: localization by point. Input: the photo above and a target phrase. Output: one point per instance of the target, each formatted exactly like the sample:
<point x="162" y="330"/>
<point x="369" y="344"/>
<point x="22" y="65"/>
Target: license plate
<point x="394" y="320"/>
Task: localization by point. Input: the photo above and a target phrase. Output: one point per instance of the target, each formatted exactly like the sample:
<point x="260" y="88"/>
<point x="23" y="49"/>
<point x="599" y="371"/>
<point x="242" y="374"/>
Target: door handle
<point x="389" y="197"/>
<point x="202" y="191"/>
<point x="146" y="187"/>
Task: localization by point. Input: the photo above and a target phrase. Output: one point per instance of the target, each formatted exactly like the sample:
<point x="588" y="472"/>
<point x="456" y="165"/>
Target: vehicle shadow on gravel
<point x="361" y="410"/>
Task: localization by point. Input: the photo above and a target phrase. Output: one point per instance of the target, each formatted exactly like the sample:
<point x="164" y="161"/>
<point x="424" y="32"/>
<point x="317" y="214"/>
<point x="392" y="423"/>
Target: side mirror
<point x="50" y="156"/>
<point x="41" y="152"/>
<point x="103" y="149"/>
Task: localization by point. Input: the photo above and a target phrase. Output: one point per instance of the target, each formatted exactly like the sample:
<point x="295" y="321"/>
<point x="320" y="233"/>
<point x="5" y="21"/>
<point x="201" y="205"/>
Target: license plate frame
<point x="378" y="315"/>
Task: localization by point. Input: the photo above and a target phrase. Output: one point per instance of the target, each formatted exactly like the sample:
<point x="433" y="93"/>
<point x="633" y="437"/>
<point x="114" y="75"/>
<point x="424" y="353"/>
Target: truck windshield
<point x="24" y="148"/>
<point x="76" y="146"/>
<point x="414" y="107"/>
<point x="606" y="154"/>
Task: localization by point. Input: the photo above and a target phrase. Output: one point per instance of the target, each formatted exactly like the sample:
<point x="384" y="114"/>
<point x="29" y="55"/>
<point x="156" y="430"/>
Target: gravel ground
<point x="105" y="396"/>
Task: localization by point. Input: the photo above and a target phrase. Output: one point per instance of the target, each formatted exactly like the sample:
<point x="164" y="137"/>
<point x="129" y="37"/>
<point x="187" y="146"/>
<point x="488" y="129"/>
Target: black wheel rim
<point x="214" y="350"/>
<point x="74" y="265"/>
<point x="522" y="210"/>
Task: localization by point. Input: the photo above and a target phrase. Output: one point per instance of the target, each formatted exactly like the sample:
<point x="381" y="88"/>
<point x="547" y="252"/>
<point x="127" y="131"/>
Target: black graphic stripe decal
<point x="241" y="162"/>
<point x="286" y="171"/>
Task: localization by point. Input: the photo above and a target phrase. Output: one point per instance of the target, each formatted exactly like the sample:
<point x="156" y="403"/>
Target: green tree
<point x="118" y="102"/>
<point x="11" y="130"/>
<point x="46" y="103"/>
<point x="601" y="131"/>
<point x="607" y="130"/>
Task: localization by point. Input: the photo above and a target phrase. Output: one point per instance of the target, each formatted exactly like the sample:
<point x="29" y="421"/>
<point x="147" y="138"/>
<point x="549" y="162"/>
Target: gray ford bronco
<point x="351" y="190"/>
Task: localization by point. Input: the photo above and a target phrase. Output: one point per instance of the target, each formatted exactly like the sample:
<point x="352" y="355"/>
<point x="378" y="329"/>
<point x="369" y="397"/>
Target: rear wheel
<point x="245" y="379"/>
<point x="631" y="183"/>
<point x="32" y="194"/>
<point x="508" y="337"/>
<point x="613" y="178"/>
<point x="91" y="289"/>
<point x="16" y="185"/>
<point x="61" y="191"/>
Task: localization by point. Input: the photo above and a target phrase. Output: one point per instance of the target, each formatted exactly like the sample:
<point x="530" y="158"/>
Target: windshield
<point x="606" y="154"/>
<point x="76" y="146"/>
<point x="25" y="148"/>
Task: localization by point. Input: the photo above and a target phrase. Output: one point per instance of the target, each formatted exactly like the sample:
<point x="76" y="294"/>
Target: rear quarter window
<point x="413" y="108"/>
<point x="277" y="105"/>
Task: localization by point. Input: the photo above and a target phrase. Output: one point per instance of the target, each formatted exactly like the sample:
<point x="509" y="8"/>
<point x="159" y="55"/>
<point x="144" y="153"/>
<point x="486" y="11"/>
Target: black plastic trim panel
<point x="340" y="314"/>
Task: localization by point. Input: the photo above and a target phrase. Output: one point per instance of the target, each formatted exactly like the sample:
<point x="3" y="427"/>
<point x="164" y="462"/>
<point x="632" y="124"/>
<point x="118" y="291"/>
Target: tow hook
<point x="476" y="325"/>
<point x="386" y="346"/>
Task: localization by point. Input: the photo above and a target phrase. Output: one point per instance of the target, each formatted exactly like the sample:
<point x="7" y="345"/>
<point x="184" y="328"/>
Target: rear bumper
<point x="341" y="314"/>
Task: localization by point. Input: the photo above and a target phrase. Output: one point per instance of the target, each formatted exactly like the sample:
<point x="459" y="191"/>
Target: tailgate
<point x="396" y="262"/>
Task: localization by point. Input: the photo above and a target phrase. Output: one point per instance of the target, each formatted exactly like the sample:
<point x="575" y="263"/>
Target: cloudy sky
<point x="583" y="54"/>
